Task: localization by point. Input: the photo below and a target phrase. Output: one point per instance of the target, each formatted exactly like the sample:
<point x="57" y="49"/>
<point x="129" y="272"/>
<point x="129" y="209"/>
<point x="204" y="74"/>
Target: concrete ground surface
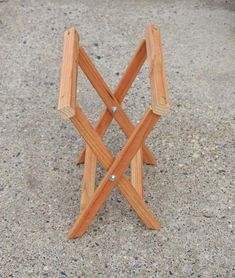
<point x="190" y="190"/>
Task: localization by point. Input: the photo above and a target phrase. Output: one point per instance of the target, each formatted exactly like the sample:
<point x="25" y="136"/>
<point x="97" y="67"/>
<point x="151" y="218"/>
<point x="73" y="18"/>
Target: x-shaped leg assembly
<point x="135" y="151"/>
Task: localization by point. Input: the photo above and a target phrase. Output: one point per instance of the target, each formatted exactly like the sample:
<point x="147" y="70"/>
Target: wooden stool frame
<point x="135" y="152"/>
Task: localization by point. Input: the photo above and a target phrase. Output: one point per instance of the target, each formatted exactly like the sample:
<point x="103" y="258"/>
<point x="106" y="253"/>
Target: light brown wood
<point x="68" y="83"/>
<point x="88" y="183"/>
<point x="119" y="93"/>
<point x="137" y="172"/>
<point x="109" y="99"/>
<point x="116" y="168"/>
<point x="135" y="152"/>
<point x="160" y="101"/>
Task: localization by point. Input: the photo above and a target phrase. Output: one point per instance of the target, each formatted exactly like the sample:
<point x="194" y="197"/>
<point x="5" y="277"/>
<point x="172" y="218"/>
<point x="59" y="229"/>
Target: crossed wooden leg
<point x="114" y="100"/>
<point x="115" y="168"/>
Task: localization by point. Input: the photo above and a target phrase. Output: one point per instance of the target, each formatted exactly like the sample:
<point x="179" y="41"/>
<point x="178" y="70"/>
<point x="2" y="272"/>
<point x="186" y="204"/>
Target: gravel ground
<point x="190" y="190"/>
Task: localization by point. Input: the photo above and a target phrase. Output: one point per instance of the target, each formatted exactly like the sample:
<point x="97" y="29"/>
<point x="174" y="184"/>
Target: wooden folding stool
<point x="135" y="152"/>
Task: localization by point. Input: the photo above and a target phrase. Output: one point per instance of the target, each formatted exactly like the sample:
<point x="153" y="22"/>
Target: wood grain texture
<point x="119" y="94"/>
<point x="114" y="168"/>
<point x="89" y="177"/>
<point x="68" y="81"/>
<point x="137" y="172"/>
<point x="159" y="92"/>
<point x="109" y="99"/>
<point x="135" y="152"/>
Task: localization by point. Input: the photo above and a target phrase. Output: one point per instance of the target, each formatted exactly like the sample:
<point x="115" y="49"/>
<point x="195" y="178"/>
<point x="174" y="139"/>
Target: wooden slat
<point x="160" y="102"/>
<point x="88" y="183"/>
<point x="137" y="172"/>
<point x="115" y="168"/>
<point x="68" y="81"/>
<point x="131" y="72"/>
<point x="119" y="93"/>
<point x="109" y="99"/>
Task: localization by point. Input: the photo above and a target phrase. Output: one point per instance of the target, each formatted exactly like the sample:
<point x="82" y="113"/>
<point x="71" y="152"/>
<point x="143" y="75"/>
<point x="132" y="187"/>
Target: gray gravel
<point x="190" y="190"/>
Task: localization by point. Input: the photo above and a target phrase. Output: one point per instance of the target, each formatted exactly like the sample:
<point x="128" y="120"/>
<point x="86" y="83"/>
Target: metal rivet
<point x="114" y="109"/>
<point x="112" y="178"/>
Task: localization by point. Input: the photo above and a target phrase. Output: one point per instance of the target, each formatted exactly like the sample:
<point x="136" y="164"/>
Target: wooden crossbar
<point x="68" y="83"/>
<point x="160" y="102"/>
<point x="135" y="152"/>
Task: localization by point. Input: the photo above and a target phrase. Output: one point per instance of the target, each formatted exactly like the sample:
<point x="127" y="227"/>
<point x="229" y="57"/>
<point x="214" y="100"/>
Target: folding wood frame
<point x="135" y="152"/>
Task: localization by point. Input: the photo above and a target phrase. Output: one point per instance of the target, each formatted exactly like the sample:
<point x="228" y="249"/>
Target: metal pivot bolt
<point x="112" y="178"/>
<point x="114" y="109"/>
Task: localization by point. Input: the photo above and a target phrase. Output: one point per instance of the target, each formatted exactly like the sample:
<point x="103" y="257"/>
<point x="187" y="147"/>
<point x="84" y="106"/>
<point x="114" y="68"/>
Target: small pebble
<point x="196" y="155"/>
<point x="45" y="268"/>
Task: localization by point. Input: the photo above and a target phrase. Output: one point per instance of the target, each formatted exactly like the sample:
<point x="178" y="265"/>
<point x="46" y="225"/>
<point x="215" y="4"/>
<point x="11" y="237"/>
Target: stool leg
<point x="88" y="183"/>
<point x="137" y="172"/>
